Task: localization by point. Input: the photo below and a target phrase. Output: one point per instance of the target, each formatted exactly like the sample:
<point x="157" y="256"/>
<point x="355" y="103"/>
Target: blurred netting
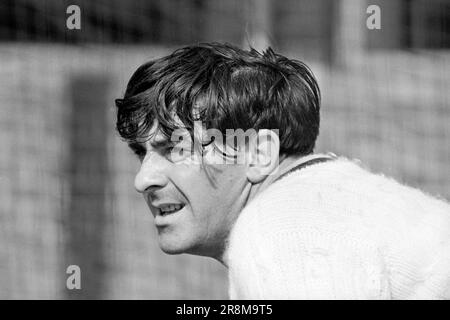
<point x="66" y="179"/>
<point x="67" y="184"/>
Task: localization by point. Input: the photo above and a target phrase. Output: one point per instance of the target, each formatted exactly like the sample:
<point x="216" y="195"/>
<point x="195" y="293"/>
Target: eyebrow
<point x="139" y="148"/>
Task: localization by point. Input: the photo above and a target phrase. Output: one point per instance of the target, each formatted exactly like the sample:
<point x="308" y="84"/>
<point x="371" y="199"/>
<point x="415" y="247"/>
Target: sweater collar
<point x="286" y="164"/>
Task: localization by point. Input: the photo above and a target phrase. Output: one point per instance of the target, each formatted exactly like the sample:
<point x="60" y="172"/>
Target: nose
<point x="151" y="175"/>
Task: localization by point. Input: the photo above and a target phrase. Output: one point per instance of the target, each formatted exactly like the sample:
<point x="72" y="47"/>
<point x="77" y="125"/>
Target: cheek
<point x="195" y="186"/>
<point x="205" y="201"/>
<point x="207" y="195"/>
<point x="223" y="194"/>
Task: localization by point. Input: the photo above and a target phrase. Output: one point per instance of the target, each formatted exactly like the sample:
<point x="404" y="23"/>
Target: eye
<point x="138" y="150"/>
<point x="140" y="154"/>
<point x="170" y="154"/>
<point x="167" y="150"/>
<point x="169" y="147"/>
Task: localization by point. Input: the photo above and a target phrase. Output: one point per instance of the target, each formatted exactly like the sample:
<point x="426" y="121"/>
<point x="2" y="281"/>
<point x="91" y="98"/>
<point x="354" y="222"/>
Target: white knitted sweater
<point x="336" y="231"/>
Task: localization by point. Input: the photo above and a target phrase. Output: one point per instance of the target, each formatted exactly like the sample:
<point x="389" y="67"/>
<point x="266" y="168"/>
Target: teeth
<point x="170" y="208"/>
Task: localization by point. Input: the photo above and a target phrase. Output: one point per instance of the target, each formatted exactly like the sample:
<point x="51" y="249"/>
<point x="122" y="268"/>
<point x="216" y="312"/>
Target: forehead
<point x="157" y="138"/>
<point x="153" y="136"/>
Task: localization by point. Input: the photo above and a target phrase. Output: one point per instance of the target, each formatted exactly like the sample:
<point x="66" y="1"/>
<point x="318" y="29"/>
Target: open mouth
<point x="170" y="209"/>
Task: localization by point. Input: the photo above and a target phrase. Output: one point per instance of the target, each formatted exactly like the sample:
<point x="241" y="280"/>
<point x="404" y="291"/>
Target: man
<point x="226" y="137"/>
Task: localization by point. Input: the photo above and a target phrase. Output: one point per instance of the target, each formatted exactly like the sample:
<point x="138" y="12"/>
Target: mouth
<point x="169" y="209"/>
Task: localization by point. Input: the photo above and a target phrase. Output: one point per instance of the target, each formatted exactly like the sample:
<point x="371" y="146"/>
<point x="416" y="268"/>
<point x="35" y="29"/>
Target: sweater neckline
<point x="287" y="165"/>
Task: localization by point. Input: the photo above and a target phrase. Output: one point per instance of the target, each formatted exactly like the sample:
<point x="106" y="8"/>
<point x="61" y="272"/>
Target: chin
<point x="171" y="251"/>
<point x="172" y="247"/>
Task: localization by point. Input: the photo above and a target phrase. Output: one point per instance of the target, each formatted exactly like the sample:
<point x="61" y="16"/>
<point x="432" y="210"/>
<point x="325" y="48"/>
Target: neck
<point x="252" y="190"/>
<point x="286" y="163"/>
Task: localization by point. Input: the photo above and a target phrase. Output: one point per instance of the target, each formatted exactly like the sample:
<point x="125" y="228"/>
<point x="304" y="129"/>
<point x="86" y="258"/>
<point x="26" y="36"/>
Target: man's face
<point x="194" y="210"/>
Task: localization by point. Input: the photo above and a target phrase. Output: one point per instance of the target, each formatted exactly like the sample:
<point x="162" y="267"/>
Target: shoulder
<point x="337" y="215"/>
<point x="341" y="194"/>
<point x="320" y="197"/>
<point x="275" y="253"/>
<point x="315" y="203"/>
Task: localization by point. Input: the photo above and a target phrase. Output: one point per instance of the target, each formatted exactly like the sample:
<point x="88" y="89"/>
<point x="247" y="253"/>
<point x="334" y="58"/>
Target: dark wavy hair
<point x="226" y="88"/>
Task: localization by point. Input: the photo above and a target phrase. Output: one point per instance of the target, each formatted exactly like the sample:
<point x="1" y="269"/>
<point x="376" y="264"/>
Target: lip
<point x="161" y="205"/>
<point x="162" y="220"/>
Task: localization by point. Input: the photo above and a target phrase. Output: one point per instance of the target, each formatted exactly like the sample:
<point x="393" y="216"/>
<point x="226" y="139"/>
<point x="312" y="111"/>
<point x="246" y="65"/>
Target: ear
<point x="263" y="155"/>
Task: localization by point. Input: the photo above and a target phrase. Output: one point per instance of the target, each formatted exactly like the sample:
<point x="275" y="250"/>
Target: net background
<point x="385" y="102"/>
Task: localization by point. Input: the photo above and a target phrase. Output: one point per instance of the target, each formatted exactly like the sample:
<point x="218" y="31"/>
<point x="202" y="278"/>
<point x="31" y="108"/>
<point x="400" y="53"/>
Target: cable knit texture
<point x="336" y="231"/>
